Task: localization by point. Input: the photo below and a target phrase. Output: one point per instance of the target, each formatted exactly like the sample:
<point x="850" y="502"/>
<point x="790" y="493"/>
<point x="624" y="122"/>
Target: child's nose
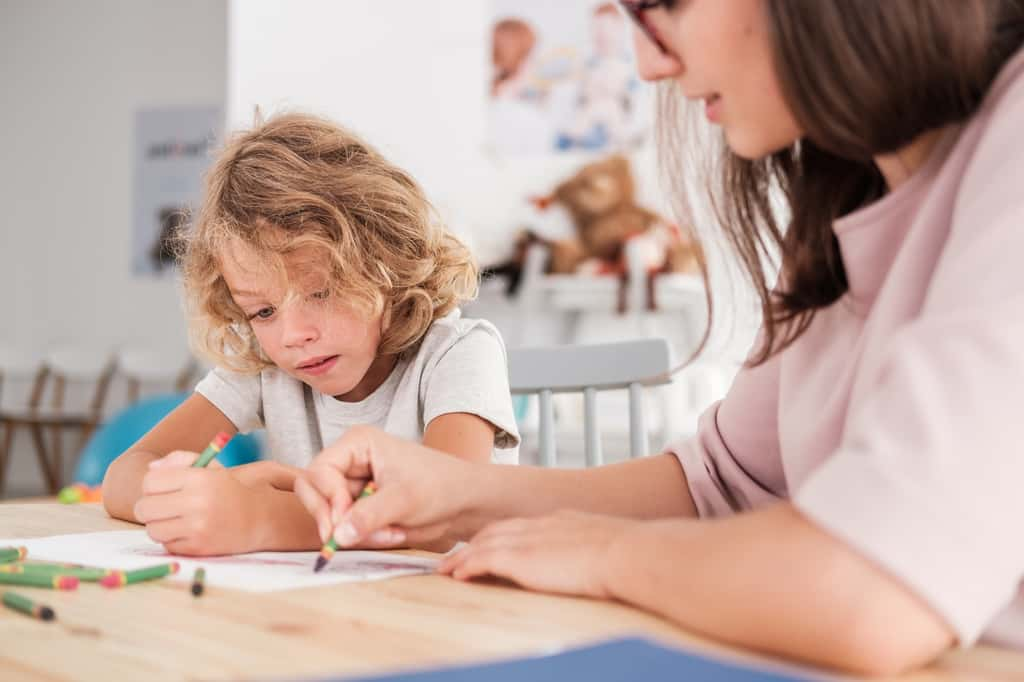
<point x="299" y="327"/>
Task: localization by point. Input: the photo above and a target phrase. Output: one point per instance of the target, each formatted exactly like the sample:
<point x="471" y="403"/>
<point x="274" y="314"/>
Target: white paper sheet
<point x="257" y="572"/>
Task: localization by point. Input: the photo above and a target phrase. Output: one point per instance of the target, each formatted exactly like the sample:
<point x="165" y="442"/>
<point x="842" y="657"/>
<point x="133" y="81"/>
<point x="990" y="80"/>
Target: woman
<point x="854" y="500"/>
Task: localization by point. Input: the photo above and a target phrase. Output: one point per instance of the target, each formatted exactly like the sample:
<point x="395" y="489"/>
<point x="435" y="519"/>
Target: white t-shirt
<point x="460" y="366"/>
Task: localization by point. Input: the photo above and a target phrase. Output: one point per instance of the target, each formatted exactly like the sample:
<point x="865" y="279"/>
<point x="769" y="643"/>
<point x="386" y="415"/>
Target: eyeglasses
<point x="636" y="8"/>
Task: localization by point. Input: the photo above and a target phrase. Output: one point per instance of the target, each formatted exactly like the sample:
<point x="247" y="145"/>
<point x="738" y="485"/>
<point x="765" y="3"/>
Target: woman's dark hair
<point x="862" y="78"/>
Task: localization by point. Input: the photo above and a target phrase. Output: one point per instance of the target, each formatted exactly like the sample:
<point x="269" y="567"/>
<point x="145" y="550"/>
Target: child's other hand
<point x="199" y="512"/>
<point x="420" y="491"/>
<point x="566" y="553"/>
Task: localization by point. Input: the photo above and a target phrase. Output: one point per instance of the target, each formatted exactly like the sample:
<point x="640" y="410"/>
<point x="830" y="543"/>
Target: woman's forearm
<point x="649" y="488"/>
<point x="772" y="581"/>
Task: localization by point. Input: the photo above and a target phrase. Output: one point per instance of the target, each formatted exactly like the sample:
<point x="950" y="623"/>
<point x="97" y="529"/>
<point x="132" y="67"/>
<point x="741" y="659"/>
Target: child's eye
<point x="262" y="314"/>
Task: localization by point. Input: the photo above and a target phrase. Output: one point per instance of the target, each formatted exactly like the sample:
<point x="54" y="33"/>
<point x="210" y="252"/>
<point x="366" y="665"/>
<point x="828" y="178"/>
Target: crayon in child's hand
<point x="27" y="606"/>
<point x="212" y="450"/>
<point x="330" y="547"/>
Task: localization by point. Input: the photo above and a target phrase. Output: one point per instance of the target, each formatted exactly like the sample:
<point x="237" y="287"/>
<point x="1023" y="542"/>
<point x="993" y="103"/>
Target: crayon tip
<point x="321" y="561"/>
<point x="46" y="613"/>
<point x="65" y="582"/>
<point x="115" y="579"/>
<point x="221" y="440"/>
<point x="197" y="589"/>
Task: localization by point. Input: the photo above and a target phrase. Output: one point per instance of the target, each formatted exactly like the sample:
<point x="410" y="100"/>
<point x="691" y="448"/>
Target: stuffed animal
<point x="600" y="199"/>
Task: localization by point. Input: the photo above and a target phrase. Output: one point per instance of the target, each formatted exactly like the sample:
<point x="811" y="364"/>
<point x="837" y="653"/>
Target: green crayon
<point x="121" y="578"/>
<point x="27" y="606"/>
<point x="198" y="579"/>
<point x="56" y="582"/>
<point x="12" y="554"/>
<point x="211" y="451"/>
<point x="83" y="573"/>
<point x="331" y="546"/>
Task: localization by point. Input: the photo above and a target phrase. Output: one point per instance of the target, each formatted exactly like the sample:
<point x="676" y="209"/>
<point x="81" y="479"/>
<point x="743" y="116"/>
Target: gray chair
<point x="588" y="369"/>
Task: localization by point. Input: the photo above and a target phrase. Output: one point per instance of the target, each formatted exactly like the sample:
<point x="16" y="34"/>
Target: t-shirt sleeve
<point x="238" y="396"/>
<point x="733" y="462"/>
<point x="928" y="478"/>
<point x="472" y="377"/>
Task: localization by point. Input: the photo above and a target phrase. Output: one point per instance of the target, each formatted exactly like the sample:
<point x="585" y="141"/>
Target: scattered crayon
<point x="121" y="578"/>
<point x="79" y="492"/>
<point x="56" y="582"/>
<point x="27" y="606"/>
<point x="330" y="547"/>
<point x="12" y="554"/>
<point x="212" y="450"/>
<point x="83" y="573"/>
<point x="198" y="579"/>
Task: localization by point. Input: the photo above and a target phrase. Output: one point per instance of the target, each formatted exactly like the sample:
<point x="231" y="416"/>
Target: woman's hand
<point x="420" y="491"/>
<point x="200" y="512"/>
<point x="566" y="552"/>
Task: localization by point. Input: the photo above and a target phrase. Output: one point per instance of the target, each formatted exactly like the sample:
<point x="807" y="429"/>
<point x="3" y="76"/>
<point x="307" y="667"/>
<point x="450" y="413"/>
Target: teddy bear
<point x="600" y="198"/>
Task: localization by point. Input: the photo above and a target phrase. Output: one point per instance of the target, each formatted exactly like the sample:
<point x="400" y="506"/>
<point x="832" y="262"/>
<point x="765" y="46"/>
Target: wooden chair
<point x="630" y="365"/>
<point x="49" y="412"/>
<point x="23" y="375"/>
<point x="144" y="366"/>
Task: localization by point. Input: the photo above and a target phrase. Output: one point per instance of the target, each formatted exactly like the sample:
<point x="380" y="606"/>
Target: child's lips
<point x="318" y="365"/>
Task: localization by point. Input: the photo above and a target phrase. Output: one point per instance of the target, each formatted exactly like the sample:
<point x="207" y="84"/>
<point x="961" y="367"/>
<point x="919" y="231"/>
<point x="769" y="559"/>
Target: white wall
<point x="72" y="76"/>
<point x="409" y="75"/>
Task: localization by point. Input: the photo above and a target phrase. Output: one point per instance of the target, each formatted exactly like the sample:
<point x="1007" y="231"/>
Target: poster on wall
<point x="563" y="79"/>
<point x="172" y="152"/>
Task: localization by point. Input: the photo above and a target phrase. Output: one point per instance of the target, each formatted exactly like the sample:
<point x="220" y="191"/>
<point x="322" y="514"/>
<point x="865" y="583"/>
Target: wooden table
<point x="157" y="631"/>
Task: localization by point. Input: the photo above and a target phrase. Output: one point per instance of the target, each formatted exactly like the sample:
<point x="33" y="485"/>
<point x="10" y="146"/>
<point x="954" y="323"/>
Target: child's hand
<point x="199" y="511"/>
<point x="567" y="553"/>
<point x="420" y="491"/>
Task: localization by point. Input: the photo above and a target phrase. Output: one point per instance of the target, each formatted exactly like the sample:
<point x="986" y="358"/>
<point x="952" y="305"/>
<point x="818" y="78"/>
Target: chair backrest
<point x="22" y="377"/>
<point x="87" y="369"/>
<point x="588" y="369"/>
<point x="171" y="369"/>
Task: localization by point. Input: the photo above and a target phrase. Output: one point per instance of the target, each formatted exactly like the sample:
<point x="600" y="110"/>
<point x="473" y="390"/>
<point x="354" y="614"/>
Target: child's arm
<point x="189" y="428"/>
<point x="204" y="511"/>
<point x="464" y="435"/>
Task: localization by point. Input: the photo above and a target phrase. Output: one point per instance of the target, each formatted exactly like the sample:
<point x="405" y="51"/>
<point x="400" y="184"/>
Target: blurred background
<point x="500" y="108"/>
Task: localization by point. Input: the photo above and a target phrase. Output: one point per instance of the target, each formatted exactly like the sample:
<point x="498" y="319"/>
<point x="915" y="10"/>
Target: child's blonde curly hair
<point x="320" y="186"/>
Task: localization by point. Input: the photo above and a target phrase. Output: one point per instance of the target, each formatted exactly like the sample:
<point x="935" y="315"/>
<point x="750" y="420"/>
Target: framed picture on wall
<point x="172" y="152"/>
<point x="563" y="79"/>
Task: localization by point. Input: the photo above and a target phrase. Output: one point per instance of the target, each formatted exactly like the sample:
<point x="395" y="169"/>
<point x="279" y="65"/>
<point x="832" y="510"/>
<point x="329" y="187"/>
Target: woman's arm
<point x="738" y="579"/>
<point x="427" y="494"/>
<point x="768" y="580"/>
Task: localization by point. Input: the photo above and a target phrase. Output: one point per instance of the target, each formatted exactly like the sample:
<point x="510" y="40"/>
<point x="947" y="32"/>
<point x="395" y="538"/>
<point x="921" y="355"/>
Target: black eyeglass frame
<point x="635" y="9"/>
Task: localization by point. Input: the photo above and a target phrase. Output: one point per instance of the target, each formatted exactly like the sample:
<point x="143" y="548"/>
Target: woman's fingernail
<point x="387" y="537"/>
<point x="346" y="534"/>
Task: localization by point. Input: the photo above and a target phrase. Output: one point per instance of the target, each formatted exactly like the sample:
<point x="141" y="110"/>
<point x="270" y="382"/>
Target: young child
<point x="859" y="489"/>
<point x="326" y="294"/>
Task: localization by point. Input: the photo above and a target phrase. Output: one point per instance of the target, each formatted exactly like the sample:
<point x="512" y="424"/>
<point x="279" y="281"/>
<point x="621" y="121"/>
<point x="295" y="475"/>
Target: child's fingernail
<point x="346" y="534"/>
